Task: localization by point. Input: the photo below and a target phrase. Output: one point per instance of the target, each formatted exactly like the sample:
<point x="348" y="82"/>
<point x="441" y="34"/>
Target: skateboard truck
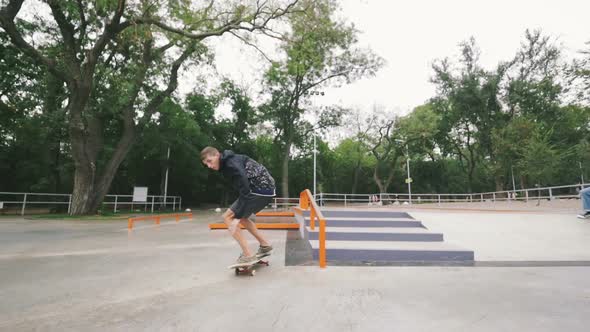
<point x="249" y="270"/>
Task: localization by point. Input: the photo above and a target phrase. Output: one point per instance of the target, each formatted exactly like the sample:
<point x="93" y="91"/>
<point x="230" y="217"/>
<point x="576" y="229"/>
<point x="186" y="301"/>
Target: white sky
<point x="410" y="35"/>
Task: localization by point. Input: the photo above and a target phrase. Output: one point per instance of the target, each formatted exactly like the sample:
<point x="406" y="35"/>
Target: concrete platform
<point x="376" y="234"/>
<point x="369" y="222"/>
<point x="58" y="275"/>
<point x="365" y="213"/>
<point x="392" y="251"/>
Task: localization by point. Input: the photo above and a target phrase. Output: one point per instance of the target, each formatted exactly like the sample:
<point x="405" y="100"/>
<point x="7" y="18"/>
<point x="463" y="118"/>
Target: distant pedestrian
<point x="585" y="197"/>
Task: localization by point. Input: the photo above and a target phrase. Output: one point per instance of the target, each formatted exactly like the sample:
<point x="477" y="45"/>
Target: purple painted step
<point x="361" y="213"/>
<point x="354" y="251"/>
<point x="412" y="234"/>
<point x="360" y="222"/>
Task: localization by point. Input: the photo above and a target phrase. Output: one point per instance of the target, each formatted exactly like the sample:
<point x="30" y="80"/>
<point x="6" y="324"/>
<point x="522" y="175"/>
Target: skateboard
<point x="249" y="269"/>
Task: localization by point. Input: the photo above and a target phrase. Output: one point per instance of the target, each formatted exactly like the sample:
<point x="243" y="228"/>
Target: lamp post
<point x="409" y="178"/>
<point x="166" y="179"/>
<point x="315" y="152"/>
<point x="513" y="183"/>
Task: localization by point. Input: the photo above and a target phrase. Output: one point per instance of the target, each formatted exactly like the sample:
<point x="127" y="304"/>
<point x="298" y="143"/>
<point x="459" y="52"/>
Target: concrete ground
<point x="96" y="276"/>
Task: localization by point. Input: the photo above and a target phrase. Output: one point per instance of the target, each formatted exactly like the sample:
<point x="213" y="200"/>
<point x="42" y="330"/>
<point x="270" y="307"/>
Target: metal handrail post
<point x="22" y="212"/>
<point x="70" y="204"/>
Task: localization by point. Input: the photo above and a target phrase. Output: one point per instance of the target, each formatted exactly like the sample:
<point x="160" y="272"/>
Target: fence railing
<point x="546" y="193"/>
<point x="282" y="203"/>
<point x="48" y="202"/>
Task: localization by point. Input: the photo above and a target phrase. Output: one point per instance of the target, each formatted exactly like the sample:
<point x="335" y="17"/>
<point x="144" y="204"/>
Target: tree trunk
<point x="86" y="139"/>
<point x="83" y="153"/>
<point x="377" y="179"/>
<point x="355" y="179"/>
<point x="83" y="189"/>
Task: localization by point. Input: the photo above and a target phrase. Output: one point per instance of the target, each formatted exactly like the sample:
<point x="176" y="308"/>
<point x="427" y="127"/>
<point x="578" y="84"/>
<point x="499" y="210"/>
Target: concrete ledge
<point x="368" y="223"/>
<point x="392" y="251"/>
<point x="376" y="236"/>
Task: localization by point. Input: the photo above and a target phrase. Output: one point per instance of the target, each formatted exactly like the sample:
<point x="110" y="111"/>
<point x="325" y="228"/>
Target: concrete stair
<point x="392" y="251"/>
<point x="376" y="234"/>
<point x="356" y="236"/>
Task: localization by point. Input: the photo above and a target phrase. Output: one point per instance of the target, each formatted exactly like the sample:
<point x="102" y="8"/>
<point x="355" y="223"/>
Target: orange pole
<point x="322" y="243"/>
<point x="130" y="223"/>
<point x="177" y="218"/>
<point x="158" y="220"/>
<point x="312" y="219"/>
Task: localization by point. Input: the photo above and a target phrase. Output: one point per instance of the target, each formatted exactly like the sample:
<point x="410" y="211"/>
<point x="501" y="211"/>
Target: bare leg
<point x="236" y="232"/>
<point x="251" y="227"/>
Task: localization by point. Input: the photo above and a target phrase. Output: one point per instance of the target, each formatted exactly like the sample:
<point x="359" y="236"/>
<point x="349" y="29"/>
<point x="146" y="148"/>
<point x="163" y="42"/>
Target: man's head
<point x="210" y="157"/>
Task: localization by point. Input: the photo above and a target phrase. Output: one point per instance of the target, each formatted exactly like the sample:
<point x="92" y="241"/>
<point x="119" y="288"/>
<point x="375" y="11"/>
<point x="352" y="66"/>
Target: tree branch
<point x="252" y="45"/>
<point x="83" y="24"/>
<point x="235" y="24"/>
<point x="67" y="32"/>
<point x="157" y="100"/>
<point x="110" y="30"/>
<point x="7" y="15"/>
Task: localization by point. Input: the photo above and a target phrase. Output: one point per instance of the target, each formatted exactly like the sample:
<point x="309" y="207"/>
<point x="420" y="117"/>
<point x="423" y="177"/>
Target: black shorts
<point x="243" y="207"/>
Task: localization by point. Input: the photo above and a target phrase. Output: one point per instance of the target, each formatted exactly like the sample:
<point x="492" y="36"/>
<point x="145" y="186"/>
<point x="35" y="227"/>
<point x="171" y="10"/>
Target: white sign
<point x="140" y="194"/>
<point x="409" y="180"/>
<point x="1" y="205"/>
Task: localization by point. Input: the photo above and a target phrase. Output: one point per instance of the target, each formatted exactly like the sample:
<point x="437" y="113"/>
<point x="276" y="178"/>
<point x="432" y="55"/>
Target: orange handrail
<point x="306" y="201"/>
<point x="157" y="218"/>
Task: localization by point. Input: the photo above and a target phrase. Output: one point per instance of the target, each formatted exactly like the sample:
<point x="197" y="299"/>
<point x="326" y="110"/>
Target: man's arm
<point x="242" y="178"/>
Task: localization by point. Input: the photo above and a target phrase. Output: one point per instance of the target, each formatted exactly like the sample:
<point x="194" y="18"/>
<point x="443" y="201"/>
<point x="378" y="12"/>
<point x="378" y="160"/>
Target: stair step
<point x="361" y="213"/>
<point x="376" y="234"/>
<point x="366" y="222"/>
<point x="392" y="251"/>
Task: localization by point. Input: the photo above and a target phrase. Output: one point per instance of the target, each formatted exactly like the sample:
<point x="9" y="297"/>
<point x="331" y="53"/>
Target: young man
<point x="256" y="188"/>
<point x="585" y="197"/>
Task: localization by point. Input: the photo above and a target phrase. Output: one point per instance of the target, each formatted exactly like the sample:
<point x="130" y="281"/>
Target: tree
<point x="384" y="147"/>
<point x="140" y="43"/>
<point x="319" y="51"/>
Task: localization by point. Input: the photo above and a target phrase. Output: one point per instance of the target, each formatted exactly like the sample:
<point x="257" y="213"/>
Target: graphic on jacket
<point x="248" y="176"/>
<point x="261" y="182"/>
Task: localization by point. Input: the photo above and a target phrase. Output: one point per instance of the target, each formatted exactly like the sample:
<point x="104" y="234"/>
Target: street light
<point x="409" y="179"/>
<point x="315" y="152"/>
<point x="166" y="180"/>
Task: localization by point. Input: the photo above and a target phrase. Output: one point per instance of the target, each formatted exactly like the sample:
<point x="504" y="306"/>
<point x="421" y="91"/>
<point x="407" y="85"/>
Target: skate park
<point x="529" y="270"/>
<point x="294" y="165"/>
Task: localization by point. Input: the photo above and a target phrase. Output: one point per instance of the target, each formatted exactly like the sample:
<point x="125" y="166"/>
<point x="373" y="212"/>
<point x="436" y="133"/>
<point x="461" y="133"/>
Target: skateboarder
<point x="585" y="197"/>
<point x="256" y="188"/>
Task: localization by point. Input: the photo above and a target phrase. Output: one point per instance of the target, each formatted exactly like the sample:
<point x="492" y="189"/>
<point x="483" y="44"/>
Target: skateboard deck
<point x="249" y="269"/>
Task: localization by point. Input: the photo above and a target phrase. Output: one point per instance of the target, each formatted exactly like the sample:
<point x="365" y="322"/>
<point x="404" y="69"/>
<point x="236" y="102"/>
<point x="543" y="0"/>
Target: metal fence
<point x="15" y="202"/>
<point x="546" y="193"/>
<point x="282" y="203"/>
<point x="21" y="203"/>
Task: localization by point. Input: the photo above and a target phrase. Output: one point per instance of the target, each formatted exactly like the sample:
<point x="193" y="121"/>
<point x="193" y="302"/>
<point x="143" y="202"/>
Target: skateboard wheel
<point x="237" y="271"/>
<point x="253" y="273"/>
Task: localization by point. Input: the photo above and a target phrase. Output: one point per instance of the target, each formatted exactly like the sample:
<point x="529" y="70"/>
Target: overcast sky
<point x="410" y="35"/>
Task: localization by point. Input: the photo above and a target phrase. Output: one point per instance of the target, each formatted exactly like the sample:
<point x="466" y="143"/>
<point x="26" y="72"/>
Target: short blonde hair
<point x="208" y="151"/>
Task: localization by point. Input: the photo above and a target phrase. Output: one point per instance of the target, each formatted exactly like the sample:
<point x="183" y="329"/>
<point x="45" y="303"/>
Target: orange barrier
<point x="259" y="226"/>
<point x="157" y="218"/>
<point x="306" y="202"/>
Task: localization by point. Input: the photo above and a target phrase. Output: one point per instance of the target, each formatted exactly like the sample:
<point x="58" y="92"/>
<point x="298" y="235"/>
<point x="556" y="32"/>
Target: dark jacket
<point x="247" y="176"/>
